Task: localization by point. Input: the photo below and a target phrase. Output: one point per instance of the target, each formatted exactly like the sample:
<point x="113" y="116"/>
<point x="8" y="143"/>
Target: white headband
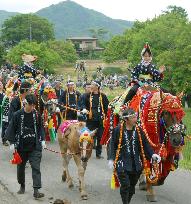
<point x="70" y="83"/>
<point x="93" y="82"/>
<point x="127" y="116"/>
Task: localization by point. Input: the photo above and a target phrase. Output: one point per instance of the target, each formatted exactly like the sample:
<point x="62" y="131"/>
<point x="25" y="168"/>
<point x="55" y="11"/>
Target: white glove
<point x="156" y="157"/>
<point x="43" y="144"/>
<point x="57" y="110"/>
<point x="110" y="164"/>
<point x="78" y="113"/>
<point x="84" y="111"/>
<point x="12" y="147"/>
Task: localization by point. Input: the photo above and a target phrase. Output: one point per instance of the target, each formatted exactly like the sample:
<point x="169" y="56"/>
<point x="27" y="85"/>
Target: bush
<point x="47" y="58"/>
<point x="112" y="70"/>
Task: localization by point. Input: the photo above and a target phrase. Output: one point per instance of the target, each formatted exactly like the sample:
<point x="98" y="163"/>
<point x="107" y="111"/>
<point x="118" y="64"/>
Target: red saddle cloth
<point x="153" y="104"/>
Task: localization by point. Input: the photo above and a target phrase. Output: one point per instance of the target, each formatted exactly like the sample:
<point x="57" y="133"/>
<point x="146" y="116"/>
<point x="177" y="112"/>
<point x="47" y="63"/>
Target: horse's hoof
<point x="70" y="185"/>
<point x="142" y="186"/>
<point x="84" y="197"/>
<point x="63" y="178"/>
<point x="151" y="198"/>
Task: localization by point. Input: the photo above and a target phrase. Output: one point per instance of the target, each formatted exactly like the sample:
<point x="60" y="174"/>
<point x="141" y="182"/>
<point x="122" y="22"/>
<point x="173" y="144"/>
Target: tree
<point x="98" y="33"/>
<point x="176" y="10"/>
<point x="169" y="36"/>
<point x="2" y="53"/>
<point x="116" y="49"/>
<point x="47" y="58"/>
<point x="26" y="27"/>
<point x="65" y="49"/>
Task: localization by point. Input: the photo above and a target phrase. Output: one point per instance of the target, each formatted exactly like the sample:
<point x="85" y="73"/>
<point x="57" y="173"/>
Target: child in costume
<point x="28" y="70"/>
<point x="144" y="72"/>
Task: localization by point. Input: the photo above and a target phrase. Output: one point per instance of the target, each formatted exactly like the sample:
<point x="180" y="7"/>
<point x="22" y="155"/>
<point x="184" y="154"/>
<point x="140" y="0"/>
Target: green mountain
<point x="73" y="20"/>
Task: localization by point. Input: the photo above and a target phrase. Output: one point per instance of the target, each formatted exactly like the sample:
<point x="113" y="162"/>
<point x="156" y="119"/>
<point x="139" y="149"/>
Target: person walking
<point x="26" y="135"/>
<point x="95" y="104"/>
<point x="125" y="154"/>
<point x="68" y="101"/>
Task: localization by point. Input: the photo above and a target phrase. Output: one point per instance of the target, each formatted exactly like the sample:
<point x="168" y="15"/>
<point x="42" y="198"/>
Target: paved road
<point x="177" y="189"/>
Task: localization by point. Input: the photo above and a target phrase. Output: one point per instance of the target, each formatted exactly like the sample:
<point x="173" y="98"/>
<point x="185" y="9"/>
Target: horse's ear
<point x="180" y="95"/>
<point x="93" y="132"/>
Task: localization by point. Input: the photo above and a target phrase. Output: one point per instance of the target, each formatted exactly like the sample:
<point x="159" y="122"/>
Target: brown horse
<point x="75" y="141"/>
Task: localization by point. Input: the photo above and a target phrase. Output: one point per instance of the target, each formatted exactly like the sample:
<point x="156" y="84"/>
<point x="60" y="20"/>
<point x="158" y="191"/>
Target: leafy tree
<point x="176" y="10"/>
<point x="26" y="27"/>
<point x="65" y="49"/>
<point x="98" y="33"/>
<point x="2" y="53"/>
<point x="116" y="49"/>
<point x="169" y="36"/>
<point x="47" y="58"/>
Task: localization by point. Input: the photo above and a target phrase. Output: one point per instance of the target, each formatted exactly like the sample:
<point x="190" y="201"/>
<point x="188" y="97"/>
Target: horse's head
<point x="86" y="143"/>
<point x="176" y="133"/>
<point x="172" y="115"/>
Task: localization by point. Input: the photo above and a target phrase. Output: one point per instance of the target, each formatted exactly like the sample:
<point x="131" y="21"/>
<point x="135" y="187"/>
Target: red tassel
<point x="16" y="158"/>
<point x="55" y="123"/>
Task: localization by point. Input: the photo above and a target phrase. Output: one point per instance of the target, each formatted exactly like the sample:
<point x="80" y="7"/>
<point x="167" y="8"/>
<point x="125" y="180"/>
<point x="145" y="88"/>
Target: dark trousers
<point x="92" y="125"/>
<point x="128" y="182"/>
<point x="34" y="159"/>
<point x="4" y="127"/>
<point x="131" y="93"/>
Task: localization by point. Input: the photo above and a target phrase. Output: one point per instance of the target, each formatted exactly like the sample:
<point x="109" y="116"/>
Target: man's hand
<point x="57" y="110"/>
<point x="110" y="164"/>
<point x="43" y="144"/>
<point x="12" y="147"/>
<point x="162" y="68"/>
<point x="156" y="157"/>
<point x="84" y="111"/>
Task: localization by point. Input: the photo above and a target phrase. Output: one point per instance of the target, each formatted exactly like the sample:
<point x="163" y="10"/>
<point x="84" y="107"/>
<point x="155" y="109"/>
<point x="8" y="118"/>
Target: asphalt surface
<point x="176" y="190"/>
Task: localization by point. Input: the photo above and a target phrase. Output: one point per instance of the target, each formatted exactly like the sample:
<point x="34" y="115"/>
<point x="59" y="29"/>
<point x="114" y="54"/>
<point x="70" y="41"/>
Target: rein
<point x="62" y="153"/>
<point x="65" y="153"/>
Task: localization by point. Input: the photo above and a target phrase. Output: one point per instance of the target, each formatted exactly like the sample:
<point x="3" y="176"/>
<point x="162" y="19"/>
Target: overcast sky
<point x="119" y="9"/>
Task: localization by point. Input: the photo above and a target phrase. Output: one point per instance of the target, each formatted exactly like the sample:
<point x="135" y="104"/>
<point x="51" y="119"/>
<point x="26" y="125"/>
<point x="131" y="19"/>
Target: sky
<point x="118" y="9"/>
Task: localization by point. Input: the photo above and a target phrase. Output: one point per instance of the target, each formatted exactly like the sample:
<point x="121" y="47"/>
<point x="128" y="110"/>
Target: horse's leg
<point x="81" y="172"/>
<point x="142" y="182"/>
<point x="66" y="158"/>
<point x="151" y="195"/>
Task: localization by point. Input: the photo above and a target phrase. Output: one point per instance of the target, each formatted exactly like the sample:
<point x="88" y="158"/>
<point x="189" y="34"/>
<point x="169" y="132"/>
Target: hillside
<point x="71" y="19"/>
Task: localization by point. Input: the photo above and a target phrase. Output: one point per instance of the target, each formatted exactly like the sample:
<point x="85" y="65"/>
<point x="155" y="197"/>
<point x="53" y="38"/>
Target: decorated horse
<point x="76" y="141"/>
<point x="160" y="116"/>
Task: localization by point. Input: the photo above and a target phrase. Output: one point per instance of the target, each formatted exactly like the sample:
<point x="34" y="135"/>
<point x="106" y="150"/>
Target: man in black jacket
<point x="128" y="162"/>
<point x="96" y="105"/>
<point x="17" y="102"/>
<point x="26" y="134"/>
<point x="68" y="101"/>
